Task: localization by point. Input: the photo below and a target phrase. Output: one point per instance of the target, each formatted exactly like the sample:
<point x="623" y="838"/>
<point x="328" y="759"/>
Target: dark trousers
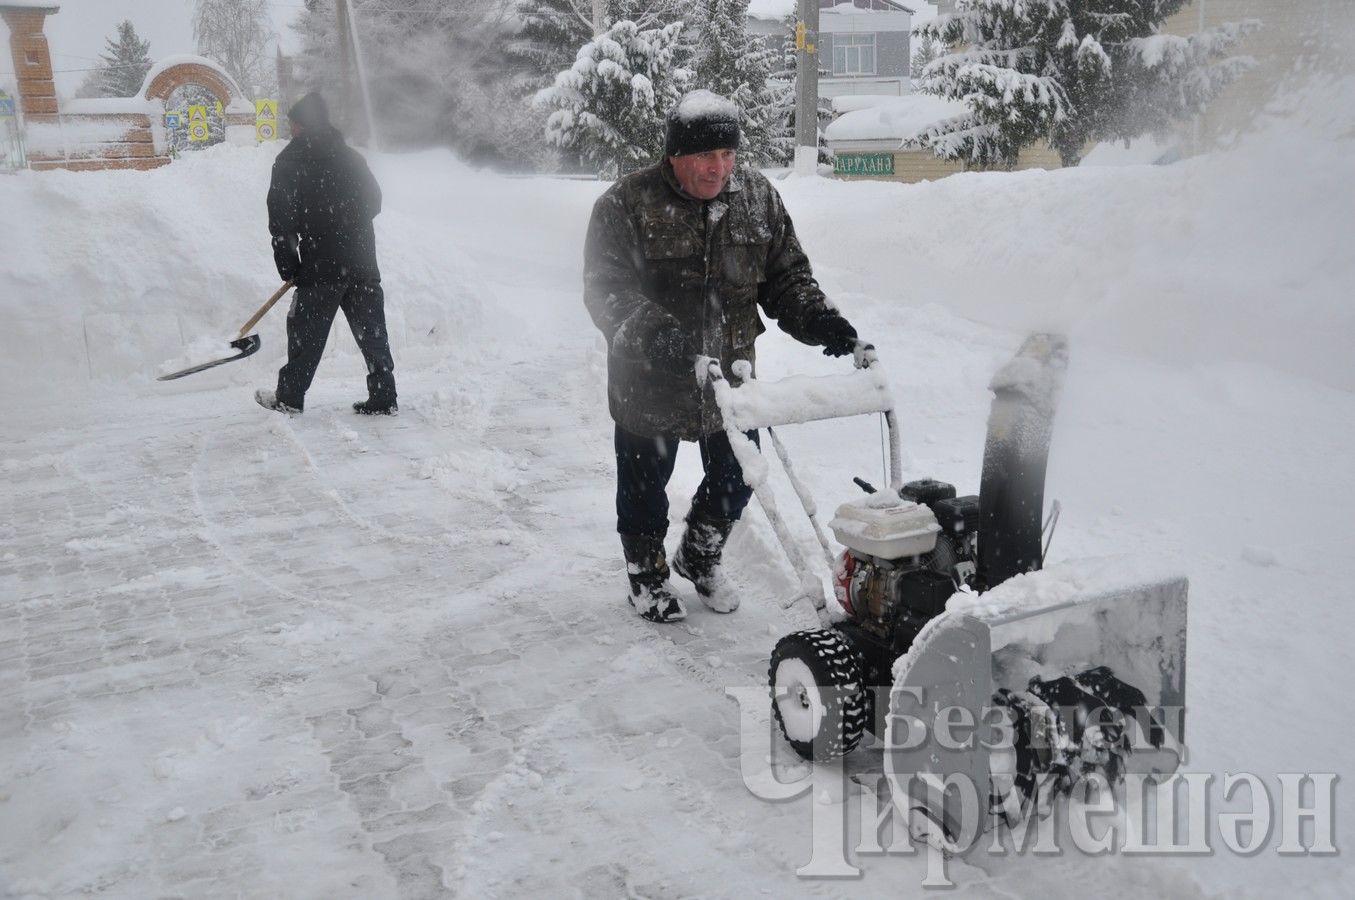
<point x="644" y="465"/>
<point x="308" y="321"/>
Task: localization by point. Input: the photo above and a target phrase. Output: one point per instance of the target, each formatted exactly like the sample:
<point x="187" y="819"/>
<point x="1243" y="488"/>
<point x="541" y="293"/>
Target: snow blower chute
<point x="995" y="684"/>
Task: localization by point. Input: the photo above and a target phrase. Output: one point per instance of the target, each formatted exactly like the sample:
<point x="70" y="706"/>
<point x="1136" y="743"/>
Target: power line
<point x="91" y="69"/>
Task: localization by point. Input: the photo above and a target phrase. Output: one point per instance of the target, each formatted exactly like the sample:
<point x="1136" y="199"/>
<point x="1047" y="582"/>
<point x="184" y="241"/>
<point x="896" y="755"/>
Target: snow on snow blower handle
<point x="755" y="404"/>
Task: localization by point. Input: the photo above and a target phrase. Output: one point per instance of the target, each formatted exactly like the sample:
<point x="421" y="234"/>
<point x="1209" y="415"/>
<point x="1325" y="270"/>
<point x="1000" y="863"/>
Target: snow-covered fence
<point x="107" y="133"/>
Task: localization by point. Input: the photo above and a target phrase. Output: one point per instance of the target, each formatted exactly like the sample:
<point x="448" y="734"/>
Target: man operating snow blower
<point x="678" y="258"/>
<point x="320" y="208"/>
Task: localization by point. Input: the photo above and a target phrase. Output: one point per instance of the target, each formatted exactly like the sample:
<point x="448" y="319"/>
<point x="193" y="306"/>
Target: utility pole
<point x="807" y="89"/>
<point x="345" y="64"/>
<point x="599" y="17"/>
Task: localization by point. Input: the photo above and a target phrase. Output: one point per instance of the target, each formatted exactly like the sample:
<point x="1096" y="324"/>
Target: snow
<point x="775" y="10"/>
<point x="897" y="118"/>
<point x="330" y="656"/>
<point x="112" y="105"/>
<point x="703" y="104"/>
<point x="74" y="137"/>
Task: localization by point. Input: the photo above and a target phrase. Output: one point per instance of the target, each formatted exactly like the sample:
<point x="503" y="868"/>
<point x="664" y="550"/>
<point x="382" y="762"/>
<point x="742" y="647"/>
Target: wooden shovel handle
<point x="268" y="304"/>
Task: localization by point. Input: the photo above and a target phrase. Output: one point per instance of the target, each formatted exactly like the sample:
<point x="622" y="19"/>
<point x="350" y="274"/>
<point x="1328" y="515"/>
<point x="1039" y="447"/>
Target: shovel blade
<point x="247" y="345"/>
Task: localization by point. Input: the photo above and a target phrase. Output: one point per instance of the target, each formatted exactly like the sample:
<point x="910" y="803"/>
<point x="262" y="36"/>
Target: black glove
<point x="286" y="259"/>
<point x="838" y="337"/>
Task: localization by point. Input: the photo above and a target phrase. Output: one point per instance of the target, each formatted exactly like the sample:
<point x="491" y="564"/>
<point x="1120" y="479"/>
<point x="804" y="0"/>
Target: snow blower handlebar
<point x="754" y="404"/>
<point x="757" y="404"/>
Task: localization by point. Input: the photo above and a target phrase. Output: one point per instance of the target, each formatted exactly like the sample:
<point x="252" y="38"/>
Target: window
<point x="854" y="54"/>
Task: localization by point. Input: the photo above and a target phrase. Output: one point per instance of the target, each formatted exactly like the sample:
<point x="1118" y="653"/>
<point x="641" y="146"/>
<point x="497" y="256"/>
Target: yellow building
<point x="1292" y="35"/>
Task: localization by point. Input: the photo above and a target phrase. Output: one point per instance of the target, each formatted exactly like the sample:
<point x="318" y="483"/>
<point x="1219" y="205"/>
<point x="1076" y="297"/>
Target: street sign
<point x="7" y="110"/>
<point x="172" y="121"/>
<point x="197" y="123"/>
<point x="863" y="164"/>
<point x="266" y="120"/>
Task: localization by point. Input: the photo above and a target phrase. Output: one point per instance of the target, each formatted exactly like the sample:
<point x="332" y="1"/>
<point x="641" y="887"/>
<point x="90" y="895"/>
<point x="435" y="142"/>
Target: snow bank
<point x="108" y="275"/>
<point x="1237" y="256"/>
<point x="897" y="118"/>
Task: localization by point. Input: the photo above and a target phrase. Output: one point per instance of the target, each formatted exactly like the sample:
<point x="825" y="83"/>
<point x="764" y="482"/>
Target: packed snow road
<point x="331" y="656"/>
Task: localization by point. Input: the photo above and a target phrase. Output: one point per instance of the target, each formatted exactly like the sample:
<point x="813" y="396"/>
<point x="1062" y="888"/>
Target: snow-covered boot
<point x="269" y="400"/>
<point x="698" y="560"/>
<point x="650" y="593"/>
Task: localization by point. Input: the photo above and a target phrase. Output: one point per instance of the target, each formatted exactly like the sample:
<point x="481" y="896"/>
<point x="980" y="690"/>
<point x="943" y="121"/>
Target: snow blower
<point x="950" y="640"/>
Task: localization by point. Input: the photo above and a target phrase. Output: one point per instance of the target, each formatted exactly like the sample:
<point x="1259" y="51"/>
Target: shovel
<point x="247" y="344"/>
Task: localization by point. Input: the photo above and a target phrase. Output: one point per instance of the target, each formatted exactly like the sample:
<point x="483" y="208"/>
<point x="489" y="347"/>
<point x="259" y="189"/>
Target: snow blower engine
<point x="1064" y="672"/>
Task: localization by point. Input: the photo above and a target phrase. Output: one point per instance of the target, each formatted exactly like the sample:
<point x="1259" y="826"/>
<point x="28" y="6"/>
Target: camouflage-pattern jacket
<point x="655" y="257"/>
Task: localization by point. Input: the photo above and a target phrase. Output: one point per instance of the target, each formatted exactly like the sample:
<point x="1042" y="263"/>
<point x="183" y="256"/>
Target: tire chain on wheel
<point x="833" y="663"/>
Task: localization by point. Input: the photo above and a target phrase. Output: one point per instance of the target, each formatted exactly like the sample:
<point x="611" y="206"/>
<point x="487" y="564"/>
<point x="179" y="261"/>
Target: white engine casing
<point x="884" y="525"/>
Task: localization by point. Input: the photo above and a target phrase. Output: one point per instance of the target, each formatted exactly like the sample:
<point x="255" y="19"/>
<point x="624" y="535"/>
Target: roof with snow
<point x="893" y="118"/>
<point x="776" y="10"/>
<point x="44" y="5"/>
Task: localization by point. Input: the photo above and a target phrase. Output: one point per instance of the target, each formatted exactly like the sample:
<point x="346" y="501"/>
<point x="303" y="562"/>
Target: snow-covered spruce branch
<point x="1071" y="72"/>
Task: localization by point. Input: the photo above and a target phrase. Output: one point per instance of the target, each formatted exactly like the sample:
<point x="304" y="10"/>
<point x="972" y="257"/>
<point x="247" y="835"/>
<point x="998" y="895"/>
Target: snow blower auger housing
<point x="945" y="603"/>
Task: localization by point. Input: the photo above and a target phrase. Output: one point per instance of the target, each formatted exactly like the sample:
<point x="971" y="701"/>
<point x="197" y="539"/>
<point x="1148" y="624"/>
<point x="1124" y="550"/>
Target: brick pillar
<point x="32" y="59"/>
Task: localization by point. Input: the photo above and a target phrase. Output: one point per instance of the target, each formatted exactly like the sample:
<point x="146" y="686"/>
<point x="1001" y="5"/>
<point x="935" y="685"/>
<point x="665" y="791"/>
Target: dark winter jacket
<point x="656" y="257"/>
<point x="320" y="208"/>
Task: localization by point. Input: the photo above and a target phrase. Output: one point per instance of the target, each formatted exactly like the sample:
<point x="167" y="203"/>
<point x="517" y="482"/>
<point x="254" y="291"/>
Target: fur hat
<point x="310" y="111"/>
<point x="702" y="121"/>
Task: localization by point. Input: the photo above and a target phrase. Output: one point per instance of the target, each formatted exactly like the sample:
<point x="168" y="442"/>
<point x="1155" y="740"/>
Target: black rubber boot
<point x="375" y="408"/>
<point x="650" y="593"/>
<point x="698" y="560"/>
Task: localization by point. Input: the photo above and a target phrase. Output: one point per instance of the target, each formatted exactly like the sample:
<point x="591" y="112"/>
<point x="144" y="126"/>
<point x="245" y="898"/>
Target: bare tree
<point x="237" y="34"/>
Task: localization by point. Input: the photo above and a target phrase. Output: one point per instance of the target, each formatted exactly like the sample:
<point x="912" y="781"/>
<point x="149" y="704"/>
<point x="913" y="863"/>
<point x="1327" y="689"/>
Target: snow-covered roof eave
<point x="239" y="103"/>
<point x="874" y="145"/>
<point x="40" y="5"/>
<point x="776" y="10"/>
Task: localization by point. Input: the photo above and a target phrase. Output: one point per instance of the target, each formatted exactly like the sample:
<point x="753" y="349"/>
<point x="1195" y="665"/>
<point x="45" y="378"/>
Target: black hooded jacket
<point x="320" y="208"/>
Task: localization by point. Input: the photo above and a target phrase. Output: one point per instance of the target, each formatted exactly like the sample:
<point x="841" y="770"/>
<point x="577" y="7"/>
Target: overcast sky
<point x="77" y="34"/>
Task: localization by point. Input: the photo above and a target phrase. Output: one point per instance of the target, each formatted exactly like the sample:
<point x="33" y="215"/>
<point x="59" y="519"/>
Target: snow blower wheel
<point x="818" y="696"/>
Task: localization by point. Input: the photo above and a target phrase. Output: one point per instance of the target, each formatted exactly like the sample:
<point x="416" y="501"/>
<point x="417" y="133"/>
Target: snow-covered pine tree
<point x="733" y="63"/>
<point x="1069" y="72"/>
<point x="610" y="106"/>
<point x="124" y="66"/>
<point x="928" y="51"/>
<point x="549" y="38"/>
